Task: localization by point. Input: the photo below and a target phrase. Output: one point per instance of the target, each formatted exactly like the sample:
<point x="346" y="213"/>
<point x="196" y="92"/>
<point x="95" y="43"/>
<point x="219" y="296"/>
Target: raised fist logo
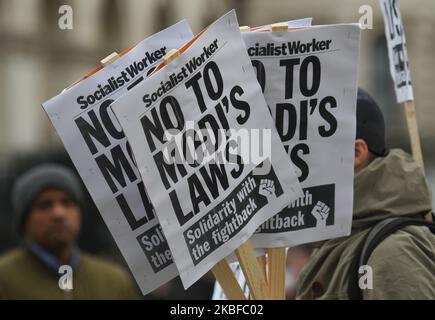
<point x="321" y="213"/>
<point x="267" y="189"/>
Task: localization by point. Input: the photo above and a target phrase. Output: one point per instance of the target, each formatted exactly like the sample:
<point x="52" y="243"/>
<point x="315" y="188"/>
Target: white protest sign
<point x="309" y="79"/>
<point x="397" y="53"/>
<point x="102" y="156"/>
<point x="187" y="125"/>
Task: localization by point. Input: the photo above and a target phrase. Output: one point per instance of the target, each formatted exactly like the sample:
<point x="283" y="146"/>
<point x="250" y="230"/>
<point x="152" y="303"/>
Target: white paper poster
<point x="309" y="80"/>
<point x="397" y="53"/>
<point x="99" y="149"/>
<point x="195" y="128"/>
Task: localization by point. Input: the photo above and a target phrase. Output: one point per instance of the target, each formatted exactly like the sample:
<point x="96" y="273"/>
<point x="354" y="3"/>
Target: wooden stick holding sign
<point x="227" y="280"/>
<point x="109" y="59"/>
<point x="262" y="262"/>
<point x="282" y="26"/>
<point x="411" y="119"/>
<point x="254" y="277"/>
<point x="276" y="272"/>
<point x="417" y="154"/>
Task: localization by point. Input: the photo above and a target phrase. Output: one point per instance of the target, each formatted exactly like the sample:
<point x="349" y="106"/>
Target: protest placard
<point x="312" y="97"/>
<point x="309" y="80"/>
<point x="101" y="153"/>
<point x="187" y="125"/>
<point x="397" y="53"/>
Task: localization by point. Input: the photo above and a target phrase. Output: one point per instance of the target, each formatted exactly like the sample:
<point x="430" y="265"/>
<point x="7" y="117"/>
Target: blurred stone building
<point x="38" y="60"/>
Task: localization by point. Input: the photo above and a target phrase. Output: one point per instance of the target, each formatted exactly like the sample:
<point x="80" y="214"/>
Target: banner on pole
<point x="397" y="53"/>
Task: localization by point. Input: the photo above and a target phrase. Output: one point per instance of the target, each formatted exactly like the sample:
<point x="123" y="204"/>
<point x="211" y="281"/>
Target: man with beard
<point x="47" y="204"/>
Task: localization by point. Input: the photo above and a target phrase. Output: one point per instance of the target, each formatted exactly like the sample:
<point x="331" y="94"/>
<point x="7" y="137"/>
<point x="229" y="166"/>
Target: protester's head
<point x="370" y="131"/>
<point x="47" y="204"/>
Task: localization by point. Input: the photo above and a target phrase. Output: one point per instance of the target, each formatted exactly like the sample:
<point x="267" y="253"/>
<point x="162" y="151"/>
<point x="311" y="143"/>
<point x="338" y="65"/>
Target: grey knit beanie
<point x="28" y="185"/>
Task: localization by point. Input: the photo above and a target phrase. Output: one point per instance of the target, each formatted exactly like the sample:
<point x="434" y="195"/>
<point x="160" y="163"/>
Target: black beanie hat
<point x="28" y="185"/>
<point x="370" y="125"/>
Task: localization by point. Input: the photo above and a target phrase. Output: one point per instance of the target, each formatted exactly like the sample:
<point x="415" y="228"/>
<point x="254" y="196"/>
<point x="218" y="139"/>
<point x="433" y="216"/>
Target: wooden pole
<point x="276" y="272"/>
<point x="411" y="118"/>
<point x="282" y="26"/>
<point x="417" y="154"/>
<point x="258" y="288"/>
<point x="109" y="59"/>
<point x="244" y="28"/>
<point x="262" y="263"/>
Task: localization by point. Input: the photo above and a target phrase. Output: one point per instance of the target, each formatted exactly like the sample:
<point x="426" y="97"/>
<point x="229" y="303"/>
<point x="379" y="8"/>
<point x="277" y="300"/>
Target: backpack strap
<point x="375" y="236"/>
